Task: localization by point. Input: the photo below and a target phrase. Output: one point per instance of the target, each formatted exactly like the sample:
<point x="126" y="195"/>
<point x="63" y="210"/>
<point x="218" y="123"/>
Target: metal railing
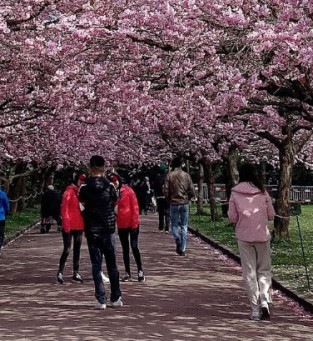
<point x="301" y="194"/>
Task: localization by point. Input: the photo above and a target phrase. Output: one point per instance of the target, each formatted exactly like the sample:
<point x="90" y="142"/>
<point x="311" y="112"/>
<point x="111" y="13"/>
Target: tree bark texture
<point x="209" y="177"/>
<point x="200" y="190"/>
<point x="282" y="206"/>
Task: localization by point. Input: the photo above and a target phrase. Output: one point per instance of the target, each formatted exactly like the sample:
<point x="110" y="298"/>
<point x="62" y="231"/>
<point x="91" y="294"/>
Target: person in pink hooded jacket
<point x="72" y="227"/>
<point x="250" y="209"/>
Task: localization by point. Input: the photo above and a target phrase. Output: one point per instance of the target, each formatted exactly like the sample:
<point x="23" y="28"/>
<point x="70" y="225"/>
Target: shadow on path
<point x="196" y="297"/>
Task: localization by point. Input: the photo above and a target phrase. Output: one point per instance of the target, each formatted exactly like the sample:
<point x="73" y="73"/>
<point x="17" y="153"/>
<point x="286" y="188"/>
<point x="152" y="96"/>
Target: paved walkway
<point x="197" y="297"/>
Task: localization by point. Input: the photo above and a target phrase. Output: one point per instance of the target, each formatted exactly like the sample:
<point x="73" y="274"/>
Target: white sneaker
<point x="105" y="279"/>
<point x="256" y="314"/>
<point x="100" y="306"/>
<point x="141" y="276"/>
<point x="117" y="303"/>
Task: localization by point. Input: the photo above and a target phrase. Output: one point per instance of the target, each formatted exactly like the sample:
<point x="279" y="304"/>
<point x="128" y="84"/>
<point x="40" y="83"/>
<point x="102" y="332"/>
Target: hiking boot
<point x="105" y="279"/>
<point x="116" y="304"/>
<point x="126" y="277"/>
<point x="77" y="278"/>
<point x="100" y="306"/>
<point x="265" y="311"/>
<point x="141" y="277"/>
<point x="60" y="279"/>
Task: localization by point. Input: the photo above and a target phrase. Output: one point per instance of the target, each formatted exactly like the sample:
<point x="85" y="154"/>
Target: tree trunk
<point x="17" y="189"/>
<point x="34" y="191"/>
<point x="200" y="190"/>
<point x="232" y="170"/>
<point x="282" y="206"/>
<point x="209" y="177"/>
<point x="263" y="172"/>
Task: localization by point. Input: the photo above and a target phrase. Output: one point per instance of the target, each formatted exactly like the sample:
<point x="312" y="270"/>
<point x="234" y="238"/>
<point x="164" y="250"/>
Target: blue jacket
<point x="4" y="205"/>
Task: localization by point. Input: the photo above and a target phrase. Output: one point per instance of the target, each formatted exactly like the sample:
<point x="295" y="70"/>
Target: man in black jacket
<point x="98" y="197"/>
<point x="50" y="209"/>
<point x="162" y="204"/>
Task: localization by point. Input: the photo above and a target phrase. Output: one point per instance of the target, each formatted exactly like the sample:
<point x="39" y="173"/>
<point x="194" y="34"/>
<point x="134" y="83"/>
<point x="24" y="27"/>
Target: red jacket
<point x="127" y="209"/>
<point x="72" y="218"/>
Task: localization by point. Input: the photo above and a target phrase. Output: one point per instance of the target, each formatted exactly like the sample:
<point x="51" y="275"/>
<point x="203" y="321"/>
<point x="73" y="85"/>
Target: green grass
<point x="20" y="221"/>
<point x="288" y="261"/>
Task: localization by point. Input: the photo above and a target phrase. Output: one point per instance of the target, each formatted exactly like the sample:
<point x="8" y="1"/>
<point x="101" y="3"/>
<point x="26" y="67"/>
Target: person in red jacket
<point x="72" y="227"/>
<point x="127" y="221"/>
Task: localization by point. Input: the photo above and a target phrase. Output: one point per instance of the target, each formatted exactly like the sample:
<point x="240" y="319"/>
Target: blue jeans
<point x="179" y="214"/>
<point x="99" y="246"/>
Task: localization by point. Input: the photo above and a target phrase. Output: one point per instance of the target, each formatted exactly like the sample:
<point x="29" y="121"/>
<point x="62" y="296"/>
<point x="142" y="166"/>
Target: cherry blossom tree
<point x="137" y="81"/>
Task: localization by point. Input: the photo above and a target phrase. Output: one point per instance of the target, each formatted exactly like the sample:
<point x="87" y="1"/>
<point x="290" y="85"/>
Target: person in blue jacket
<point x="4" y="211"/>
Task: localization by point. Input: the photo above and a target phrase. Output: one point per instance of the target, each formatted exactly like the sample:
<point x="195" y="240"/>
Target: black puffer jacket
<point x="50" y="204"/>
<point x="98" y="197"/>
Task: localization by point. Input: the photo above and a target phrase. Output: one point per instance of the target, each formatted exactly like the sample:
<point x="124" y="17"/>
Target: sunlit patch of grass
<point x="21" y="220"/>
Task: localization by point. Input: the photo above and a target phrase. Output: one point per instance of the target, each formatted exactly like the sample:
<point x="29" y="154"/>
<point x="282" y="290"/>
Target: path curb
<point x="307" y="306"/>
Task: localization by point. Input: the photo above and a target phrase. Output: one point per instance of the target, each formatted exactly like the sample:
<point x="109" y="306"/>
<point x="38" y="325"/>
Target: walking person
<point x="127" y="221"/>
<point x="98" y="197"/>
<point x="145" y="195"/>
<point x="72" y="228"/>
<point x="4" y="212"/>
<point x="250" y="208"/>
<point x="50" y="209"/>
<point x="163" y="207"/>
<point x="179" y="190"/>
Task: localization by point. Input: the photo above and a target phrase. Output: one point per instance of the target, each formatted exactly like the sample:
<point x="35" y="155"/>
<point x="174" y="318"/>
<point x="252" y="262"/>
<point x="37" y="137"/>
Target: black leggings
<point x="67" y="243"/>
<point x="123" y="234"/>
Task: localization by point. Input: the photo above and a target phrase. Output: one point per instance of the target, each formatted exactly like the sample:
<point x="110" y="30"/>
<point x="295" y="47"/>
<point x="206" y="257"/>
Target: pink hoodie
<point x="250" y="210"/>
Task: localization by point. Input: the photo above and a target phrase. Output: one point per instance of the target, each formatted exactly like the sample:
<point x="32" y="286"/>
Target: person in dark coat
<point x="50" y="209"/>
<point x="98" y="198"/>
<point x="163" y="206"/>
<point x="145" y="196"/>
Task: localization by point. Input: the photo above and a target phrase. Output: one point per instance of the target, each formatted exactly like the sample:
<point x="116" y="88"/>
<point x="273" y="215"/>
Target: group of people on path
<point x="250" y="209"/>
<point x="95" y="205"/>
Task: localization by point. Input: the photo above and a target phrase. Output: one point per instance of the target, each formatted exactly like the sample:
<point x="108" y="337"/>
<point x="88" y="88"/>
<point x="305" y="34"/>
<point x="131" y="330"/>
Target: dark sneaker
<point x="126" y="277"/>
<point x="141" y="277"/>
<point x="60" y="279"/>
<point x="77" y="278"/>
<point x="178" y="248"/>
<point x="265" y="311"/>
<point x="182" y="253"/>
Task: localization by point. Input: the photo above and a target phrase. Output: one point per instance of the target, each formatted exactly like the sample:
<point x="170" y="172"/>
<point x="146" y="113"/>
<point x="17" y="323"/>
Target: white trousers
<point x="256" y="267"/>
